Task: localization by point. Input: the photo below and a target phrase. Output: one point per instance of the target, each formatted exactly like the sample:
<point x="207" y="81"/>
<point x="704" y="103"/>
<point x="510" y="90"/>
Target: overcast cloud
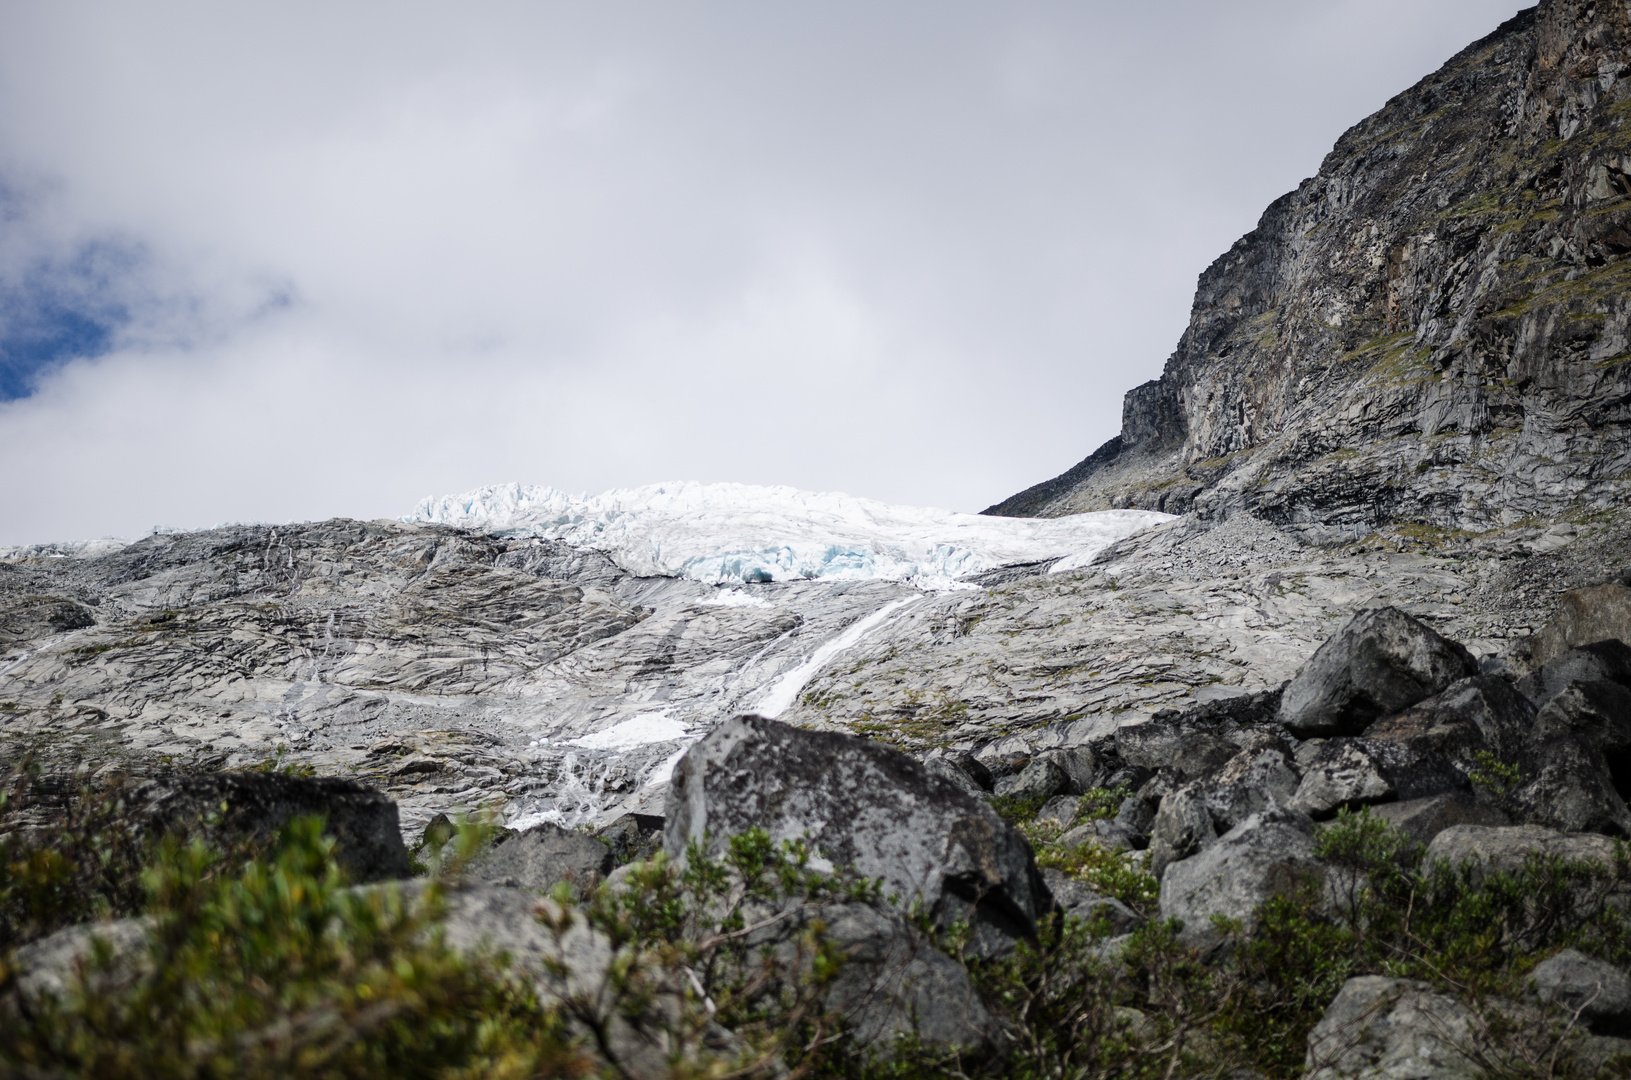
<point x="294" y="260"/>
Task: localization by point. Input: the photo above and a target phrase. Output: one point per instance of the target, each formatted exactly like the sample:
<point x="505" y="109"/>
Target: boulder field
<point x="1223" y="803"/>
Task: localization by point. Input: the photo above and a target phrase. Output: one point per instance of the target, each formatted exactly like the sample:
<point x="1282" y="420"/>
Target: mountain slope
<point x="1432" y="330"/>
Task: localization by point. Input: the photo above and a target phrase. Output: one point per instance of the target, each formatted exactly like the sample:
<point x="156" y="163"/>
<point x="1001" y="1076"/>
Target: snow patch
<point x="637" y="731"/>
<point x="735" y="598"/>
<point x="739" y="533"/>
<point x="785" y="690"/>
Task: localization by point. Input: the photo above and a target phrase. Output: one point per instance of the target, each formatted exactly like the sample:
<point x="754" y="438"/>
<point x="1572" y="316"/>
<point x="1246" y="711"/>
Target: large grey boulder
<point x="255" y="805"/>
<point x="1596" y="989"/>
<point x="543" y="856"/>
<point x="1571" y="788"/>
<point x="1270" y="853"/>
<point x="1378" y="662"/>
<point x="865" y="807"/>
<point x="1169" y="744"/>
<point x="1192" y="816"/>
<point x="1505" y="848"/>
<point x="1423" y="819"/>
<point x="1597" y="661"/>
<point x="1350" y="773"/>
<point x="1598" y="711"/>
<point x="1583" y="616"/>
<point x="1393" y="1029"/>
<point x="1042" y="779"/>
<point x="1479" y="713"/>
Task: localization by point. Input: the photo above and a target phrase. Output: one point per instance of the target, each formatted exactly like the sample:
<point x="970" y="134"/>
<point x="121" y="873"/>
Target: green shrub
<point x="280" y="970"/>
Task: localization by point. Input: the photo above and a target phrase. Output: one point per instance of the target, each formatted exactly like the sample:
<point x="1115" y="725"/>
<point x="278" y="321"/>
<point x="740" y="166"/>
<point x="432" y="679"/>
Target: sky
<point x="288" y="261"/>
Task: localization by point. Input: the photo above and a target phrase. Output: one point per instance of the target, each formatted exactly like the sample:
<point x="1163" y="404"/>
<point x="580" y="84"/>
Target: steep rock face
<point x="1432" y="330"/>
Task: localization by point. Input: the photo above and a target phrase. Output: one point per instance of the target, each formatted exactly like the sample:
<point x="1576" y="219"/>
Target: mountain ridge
<point x="1431" y="331"/>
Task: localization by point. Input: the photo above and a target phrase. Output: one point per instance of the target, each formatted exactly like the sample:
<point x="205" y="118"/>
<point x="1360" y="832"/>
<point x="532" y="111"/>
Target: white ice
<point x="637" y="731"/>
<point x="785" y="690"/>
<point x="738" y="533"/>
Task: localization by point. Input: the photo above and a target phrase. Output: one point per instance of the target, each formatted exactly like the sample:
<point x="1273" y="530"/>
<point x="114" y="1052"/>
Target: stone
<point x="1270" y="853"/>
<point x="1077" y="901"/>
<point x="632" y="837"/>
<point x="1599" y="713"/>
<point x="1378" y="662"/>
<point x="540" y="857"/>
<point x="1583" y="616"/>
<point x="1041" y="779"/>
<point x="1593" y="1054"/>
<point x="51" y="966"/>
<point x="1596" y="989"/>
<point x="864" y="807"/>
<point x="1570" y="789"/>
<point x="1478" y="713"/>
<point x="1505" y="848"/>
<point x="1349" y="773"/>
<point x="945" y="770"/>
<point x="1423" y="819"/>
<point x="1104" y="832"/>
<point x="894" y="983"/>
<point x="1183" y="826"/>
<point x="1597" y="661"/>
<point x="1392" y="1029"/>
<point x="255" y="805"/>
<point x="1342" y="775"/>
<point x="1166" y="744"/>
<point x="1079" y="763"/>
<point x="1059" y="811"/>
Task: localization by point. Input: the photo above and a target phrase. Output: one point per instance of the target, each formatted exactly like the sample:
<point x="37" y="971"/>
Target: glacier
<point x="737" y="534"/>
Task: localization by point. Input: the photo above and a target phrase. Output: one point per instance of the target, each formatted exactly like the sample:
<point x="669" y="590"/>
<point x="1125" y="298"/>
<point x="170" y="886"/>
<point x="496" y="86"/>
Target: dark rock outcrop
<point x="255" y="805"/>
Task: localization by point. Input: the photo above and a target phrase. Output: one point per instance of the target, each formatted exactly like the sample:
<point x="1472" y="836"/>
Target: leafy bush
<point x="281" y="970"/>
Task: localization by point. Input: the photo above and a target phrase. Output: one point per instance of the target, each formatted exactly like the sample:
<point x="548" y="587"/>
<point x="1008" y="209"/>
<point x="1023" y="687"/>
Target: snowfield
<point x="732" y="534"/>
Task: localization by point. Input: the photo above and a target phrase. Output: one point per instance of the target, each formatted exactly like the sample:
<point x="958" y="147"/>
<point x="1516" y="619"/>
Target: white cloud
<point x="912" y="251"/>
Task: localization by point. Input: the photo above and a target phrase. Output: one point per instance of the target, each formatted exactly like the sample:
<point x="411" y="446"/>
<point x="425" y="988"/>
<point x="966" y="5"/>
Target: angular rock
<point x="1079" y="763"/>
<point x="865" y="807"/>
<point x="1104" y="832"/>
<point x="1183" y="827"/>
<point x="1599" y="713"/>
<point x="1423" y="819"/>
<point x="1598" y="990"/>
<point x="1378" y="662"/>
<point x="1505" y="849"/>
<point x="1270" y="853"/>
<point x="543" y="856"/>
<point x="1358" y="772"/>
<point x="255" y="805"/>
<point x="1479" y="713"/>
<point x="1583" y="616"/>
<point x="1595" y="1053"/>
<point x="945" y="770"/>
<point x="1571" y="790"/>
<point x="1597" y="661"/>
<point x="1342" y="775"/>
<point x="1043" y="778"/>
<point x="1077" y="901"/>
<point x="1392" y="1029"/>
<point x="632" y="837"/>
<point x="1167" y="744"/>
<point x="1059" y="811"/>
<point x="894" y="982"/>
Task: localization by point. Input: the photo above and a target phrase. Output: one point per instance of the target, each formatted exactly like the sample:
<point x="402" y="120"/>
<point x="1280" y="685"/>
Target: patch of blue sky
<point x="53" y="311"/>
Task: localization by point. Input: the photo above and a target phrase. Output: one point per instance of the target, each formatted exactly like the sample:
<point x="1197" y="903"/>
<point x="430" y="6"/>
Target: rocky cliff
<point x="1431" y="331"/>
